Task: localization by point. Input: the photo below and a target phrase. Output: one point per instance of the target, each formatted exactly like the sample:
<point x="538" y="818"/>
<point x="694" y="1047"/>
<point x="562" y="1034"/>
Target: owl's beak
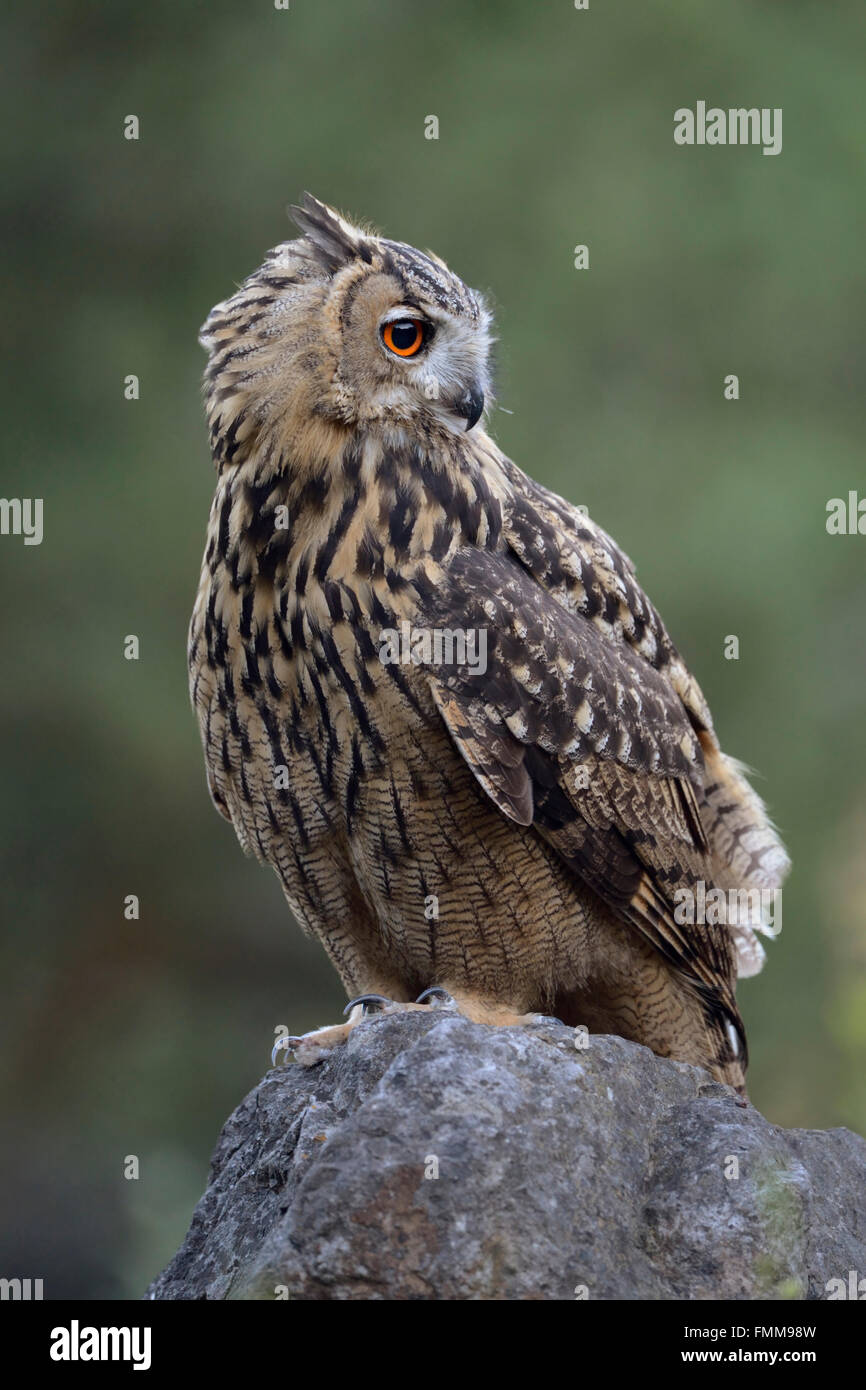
<point x="470" y="405"/>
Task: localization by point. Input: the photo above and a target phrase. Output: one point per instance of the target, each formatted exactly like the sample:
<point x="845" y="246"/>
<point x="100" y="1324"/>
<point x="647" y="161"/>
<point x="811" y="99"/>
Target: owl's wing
<point x="589" y="575"/>
<point x="576" y="733"/>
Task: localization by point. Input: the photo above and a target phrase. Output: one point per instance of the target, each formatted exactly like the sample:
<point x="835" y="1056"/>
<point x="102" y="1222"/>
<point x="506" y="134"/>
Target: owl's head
<point x="347" y="327"/>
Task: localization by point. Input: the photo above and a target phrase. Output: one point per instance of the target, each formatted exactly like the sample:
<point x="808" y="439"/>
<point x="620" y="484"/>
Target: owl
<point x="433" y="696"/>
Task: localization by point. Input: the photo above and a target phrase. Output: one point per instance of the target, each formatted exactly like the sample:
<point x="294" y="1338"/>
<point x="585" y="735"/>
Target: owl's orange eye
<point x="403" y="336"/>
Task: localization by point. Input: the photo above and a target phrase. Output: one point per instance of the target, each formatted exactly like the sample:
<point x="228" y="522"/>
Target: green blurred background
<point x="556" y="128"/>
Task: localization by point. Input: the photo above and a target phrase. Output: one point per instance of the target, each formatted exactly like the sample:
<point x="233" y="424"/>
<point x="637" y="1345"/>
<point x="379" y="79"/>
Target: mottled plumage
<point x="517" y="834"/>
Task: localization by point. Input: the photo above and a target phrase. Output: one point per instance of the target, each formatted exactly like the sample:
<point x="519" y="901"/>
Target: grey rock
<point x="433" y="1158"/>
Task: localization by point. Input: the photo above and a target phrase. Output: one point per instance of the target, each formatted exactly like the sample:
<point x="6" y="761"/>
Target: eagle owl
<point x="433" y="695"/>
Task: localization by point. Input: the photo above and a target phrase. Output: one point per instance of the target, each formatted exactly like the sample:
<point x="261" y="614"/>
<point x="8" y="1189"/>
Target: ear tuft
<point x="335" y="241"/>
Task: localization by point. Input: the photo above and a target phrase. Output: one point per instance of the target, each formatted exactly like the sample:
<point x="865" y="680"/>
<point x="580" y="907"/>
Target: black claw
<point x="438" y="992"/>
<point x="366" y="999"/>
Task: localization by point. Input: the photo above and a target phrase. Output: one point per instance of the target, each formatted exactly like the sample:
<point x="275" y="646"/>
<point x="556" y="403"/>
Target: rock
<point x="433" y="1158"/>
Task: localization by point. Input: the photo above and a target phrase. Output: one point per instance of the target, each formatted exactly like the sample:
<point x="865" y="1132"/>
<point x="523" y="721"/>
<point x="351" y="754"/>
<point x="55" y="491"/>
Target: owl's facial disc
<point x="433" y="362"/>
<point x="407" y="342"/>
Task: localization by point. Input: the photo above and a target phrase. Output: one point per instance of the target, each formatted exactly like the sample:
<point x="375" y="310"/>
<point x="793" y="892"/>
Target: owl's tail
<point x="748" y="858"/>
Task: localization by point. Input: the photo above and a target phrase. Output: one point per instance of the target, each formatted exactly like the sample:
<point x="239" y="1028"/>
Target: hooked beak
<point x="470" y="405"/>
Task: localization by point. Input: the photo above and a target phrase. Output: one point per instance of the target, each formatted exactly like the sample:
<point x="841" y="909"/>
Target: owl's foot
<point x="480" y="1009"/>
<point x="310" y="1048"/>
<point x="313" y="1047"/>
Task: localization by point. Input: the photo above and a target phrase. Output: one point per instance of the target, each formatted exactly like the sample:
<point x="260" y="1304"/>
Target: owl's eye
<point x="405" y="337"/>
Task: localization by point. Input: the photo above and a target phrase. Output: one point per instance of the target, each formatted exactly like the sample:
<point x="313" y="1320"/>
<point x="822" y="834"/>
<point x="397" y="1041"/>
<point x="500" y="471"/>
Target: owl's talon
<point x="366" y="999"/>
<point x="283" y="1045"/>
<point x="441" y="994"/>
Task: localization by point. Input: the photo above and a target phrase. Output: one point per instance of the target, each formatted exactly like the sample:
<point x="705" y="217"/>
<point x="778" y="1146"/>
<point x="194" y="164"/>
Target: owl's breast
<point x="300" y="696"/>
